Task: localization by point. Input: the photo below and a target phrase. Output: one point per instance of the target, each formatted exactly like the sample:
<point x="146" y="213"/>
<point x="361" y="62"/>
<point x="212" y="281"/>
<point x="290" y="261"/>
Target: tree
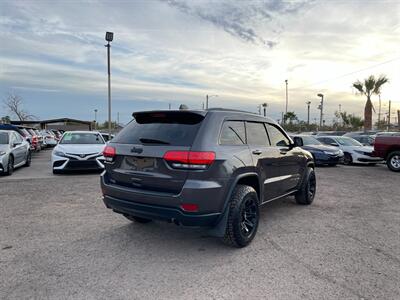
<point x="5" y="120"/>
<point x="291" y="116"/>
<point x="14" y="104"/>
<point x="370" y="86"/>
<point x="349" y="121"/>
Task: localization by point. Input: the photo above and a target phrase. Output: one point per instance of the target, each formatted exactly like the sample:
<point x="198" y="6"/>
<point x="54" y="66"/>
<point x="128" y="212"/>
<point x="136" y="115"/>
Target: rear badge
<point x="137" y="150"/>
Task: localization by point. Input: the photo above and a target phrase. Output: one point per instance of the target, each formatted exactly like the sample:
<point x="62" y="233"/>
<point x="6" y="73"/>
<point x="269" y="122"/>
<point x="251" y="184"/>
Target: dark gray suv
<point x="210" y="168"/>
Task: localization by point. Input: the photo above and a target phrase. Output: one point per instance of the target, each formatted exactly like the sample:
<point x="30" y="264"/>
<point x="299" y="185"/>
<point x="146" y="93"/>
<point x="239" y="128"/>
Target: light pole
<point x="95" y="119"/>
<point x="379" y="112"/>
<point x="321" y="108"/>
<point x="308" y="112"/>
<point x="287" y="96"/>
<point x="265" y="105"/>
<point x="208" y="97"/>
<point x="109" y="38"/>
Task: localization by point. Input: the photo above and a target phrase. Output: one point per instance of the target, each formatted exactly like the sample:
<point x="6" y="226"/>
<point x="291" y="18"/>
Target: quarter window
<point x="256" y="134"/>
<point x="233" y="133"/>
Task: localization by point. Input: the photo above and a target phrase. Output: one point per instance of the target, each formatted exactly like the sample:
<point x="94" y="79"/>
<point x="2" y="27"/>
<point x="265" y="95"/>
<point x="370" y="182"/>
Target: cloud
<point x="240" y="18"/>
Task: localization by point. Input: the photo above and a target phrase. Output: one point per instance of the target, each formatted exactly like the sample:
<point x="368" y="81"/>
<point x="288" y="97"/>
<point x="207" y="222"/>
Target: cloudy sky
<point x="52" y="54"/>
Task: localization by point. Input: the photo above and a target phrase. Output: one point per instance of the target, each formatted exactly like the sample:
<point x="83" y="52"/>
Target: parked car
<point x="107" y="136"/>
<point x="50" y="139"/>
<point x="388" y="147"/>
<point x="365" y="140"/>
<point x="330" y="133"/>
<point x="323" y="154"/>
<point x="211" y="168"/>
<point x="354" y="152"/>
<point x="78" y="150"/>
<point x="34" y="139"/>
<point x="14" y="151"/>
<point x="57" y="134"/>
<point x="40" y="138"/>
<point x="25" y="134"/>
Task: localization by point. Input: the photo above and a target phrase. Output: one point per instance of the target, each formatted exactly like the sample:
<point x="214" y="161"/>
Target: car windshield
<point x="348" y="142"/>
<point x="82" y="138"/>
<point x="3" y="138"/>
<point x="309" y="140"/>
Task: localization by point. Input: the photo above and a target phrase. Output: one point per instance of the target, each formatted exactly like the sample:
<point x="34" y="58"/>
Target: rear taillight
<point x="109" y="153"/>
<point x="194" y="160"/>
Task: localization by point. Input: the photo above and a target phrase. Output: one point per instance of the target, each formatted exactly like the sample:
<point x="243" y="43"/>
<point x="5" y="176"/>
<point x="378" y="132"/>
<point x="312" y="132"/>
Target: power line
<point x="347" y="74"/>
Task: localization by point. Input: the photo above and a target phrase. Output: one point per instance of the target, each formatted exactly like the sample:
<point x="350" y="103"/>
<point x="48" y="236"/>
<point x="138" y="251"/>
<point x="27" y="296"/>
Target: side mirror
<point x="335" y="144"/>
<point x="297" y="142"/>
<point x="16" y="144"/>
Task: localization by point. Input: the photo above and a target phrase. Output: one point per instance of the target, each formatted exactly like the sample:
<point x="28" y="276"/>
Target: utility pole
<point x="117" y="118"/>
<point x="283" y="119"/>
<point x="109" y="38"/>
<point x="208" y="97"/>
<point x="95" y="119"/>
<point x="287" y="96"/>
<point x="379" y="111"/>
<point x="308" y="112"/>
<point x="169" y="106"/>
<point x="265" y="105"/>
<point x="321" y="108"/>
<point x="398" y="119"/>
<point x="390" y="111"/>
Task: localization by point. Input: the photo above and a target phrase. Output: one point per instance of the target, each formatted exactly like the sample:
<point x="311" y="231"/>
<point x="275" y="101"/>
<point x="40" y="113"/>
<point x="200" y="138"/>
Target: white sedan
<point x="78" y="150"/>
<point x="354" y="151"/>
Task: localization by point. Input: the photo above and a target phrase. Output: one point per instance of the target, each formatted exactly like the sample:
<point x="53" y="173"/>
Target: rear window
<point x="161" y="128"/>
<point x="3" y="138"/>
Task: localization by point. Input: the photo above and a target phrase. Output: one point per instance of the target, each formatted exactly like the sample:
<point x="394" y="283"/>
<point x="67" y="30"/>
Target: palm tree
<point x="291" y="116"/>
<point x="369" y="87"/>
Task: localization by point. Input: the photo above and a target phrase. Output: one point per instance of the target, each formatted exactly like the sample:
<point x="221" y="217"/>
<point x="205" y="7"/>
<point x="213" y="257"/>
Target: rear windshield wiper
<point x="153" y="141"/>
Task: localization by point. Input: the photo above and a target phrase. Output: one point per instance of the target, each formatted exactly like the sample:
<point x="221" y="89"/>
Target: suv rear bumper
<point x="155" y="212"/>
<point x="209" y="196"/>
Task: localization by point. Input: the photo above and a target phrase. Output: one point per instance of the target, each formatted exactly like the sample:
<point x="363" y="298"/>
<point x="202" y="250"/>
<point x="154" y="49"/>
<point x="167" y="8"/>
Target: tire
<point x="28" y="159"/>
<point x="393" y="161"/>
<point x="306" y="194"/>
<point x="243" y="217"/>
<point x="137" y="219"/>
<point x="57" y="171"/>
<point x="10" y="166"/>
<point x="348" y="159"/>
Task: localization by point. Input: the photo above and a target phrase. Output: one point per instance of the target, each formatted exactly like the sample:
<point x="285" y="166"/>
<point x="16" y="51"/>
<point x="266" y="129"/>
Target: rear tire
<point x="393" y="161"/>
<point x="306" y="194"/>
<point x="137" y="219"/>
<point x="243" y="217"/>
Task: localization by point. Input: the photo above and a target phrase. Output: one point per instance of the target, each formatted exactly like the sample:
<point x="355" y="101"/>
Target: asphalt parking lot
<point x="58" y="241"/>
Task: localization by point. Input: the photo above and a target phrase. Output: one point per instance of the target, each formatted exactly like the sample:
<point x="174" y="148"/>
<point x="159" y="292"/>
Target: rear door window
<point x="256" y="134"/>
<point x="161" y="128"/>
<point x="233" y="133"/>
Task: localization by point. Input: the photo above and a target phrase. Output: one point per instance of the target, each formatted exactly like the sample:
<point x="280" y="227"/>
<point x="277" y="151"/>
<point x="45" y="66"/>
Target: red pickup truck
<point x="388" y="147"/>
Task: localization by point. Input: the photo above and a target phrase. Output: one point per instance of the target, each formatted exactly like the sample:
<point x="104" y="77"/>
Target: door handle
<point x="257" y="152"/>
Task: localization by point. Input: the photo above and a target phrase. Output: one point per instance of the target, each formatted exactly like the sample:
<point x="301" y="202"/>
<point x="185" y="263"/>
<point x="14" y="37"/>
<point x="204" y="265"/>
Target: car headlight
<point x="2" y="153"/>
<point x="59" y="153"/>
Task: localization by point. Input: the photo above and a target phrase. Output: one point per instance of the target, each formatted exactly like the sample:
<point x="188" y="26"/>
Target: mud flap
<point x="220" y="228"/>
